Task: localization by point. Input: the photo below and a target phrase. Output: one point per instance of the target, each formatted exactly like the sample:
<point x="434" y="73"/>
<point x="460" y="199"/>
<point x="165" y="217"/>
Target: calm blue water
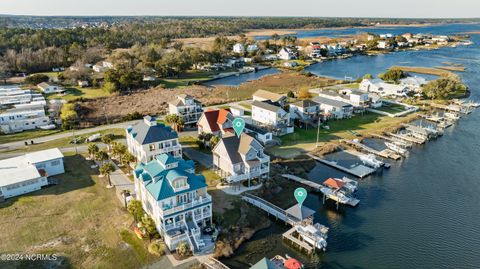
<point x="237" y="80"/>
<point x="424" y="212"/>
<point x="443" y="29"/>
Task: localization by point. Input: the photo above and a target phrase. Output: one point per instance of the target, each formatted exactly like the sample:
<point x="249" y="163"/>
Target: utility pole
<point x="318" y="132"/>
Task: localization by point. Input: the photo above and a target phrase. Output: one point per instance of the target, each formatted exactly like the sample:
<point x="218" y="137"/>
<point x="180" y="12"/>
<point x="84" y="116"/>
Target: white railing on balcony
<point x="171" y="226"/>
<point x="264" y="159"/>
<point x="252" y="174"/>
<point x="197" y="201"/>
<point x="202" y="215"/>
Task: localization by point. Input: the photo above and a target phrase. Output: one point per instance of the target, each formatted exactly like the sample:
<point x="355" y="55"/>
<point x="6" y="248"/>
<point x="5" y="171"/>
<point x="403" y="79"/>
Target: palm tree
<point x="107" y="140"/>
<point x="106" y="169"/>
<point x="118" y="149"/>
<point x="175" y="121"/>
<point x="101" y="156"/>
<point x="127" y="159"/>
<point x="92" y="150"/>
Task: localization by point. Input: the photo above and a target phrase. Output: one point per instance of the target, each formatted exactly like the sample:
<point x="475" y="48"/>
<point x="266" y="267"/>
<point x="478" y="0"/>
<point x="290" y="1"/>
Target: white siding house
<point x="238" y="48"/>
<point x="382" y="88"/>
<point x="148" y="139"/>
<point x="186" y="107"/>
<point x="334" y="109"/>
<point x="272" y="116"/>
<point x="176" y="199"/>
<point x="49" y="88"/>
<point x="29" y="172"/>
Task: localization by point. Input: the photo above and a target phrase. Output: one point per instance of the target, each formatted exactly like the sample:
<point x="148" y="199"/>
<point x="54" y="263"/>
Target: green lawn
<point x="74" y="93"/>
<point x="191" y="141"/>
<point x="26" y="135"/>
<point x="79" y="219"/>
<point x="305" y="140"/>
<point x="188" y="78"/>
<point x="391" y="108"/>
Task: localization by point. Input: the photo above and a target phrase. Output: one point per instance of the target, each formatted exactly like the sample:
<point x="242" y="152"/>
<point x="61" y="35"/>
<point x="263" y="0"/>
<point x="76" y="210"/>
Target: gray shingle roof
<point x="146" y="134"/>
<point x="331" y="102"/>
<point x="267" y="105"/>
<point x="305" y="103"/>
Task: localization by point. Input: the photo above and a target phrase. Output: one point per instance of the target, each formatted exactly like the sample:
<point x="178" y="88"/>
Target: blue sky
<point x="330" y="8"/>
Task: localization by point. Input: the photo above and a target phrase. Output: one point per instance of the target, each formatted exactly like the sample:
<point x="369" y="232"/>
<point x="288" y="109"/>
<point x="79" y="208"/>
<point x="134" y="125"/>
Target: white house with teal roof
<point x="176" y="199"/>
<point x="147" y="139"/>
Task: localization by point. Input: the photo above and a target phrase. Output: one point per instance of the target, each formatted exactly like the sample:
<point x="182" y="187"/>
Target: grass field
<point x="79" y="219"/>
<point x="187" y="79"/>
<point x="391" y="108"/>
<point x="305" y="140"/>
<point x="74" y="93"/>
<point x="26" y="135"/>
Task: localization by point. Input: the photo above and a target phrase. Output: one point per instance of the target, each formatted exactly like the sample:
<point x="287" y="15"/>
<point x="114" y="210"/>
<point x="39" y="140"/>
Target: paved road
<point x="43" y="139"/>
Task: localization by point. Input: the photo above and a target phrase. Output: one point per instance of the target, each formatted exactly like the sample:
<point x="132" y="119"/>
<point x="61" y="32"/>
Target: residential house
<point x="305" y="111"/>
<point x="147" y="139"/>
<point x="240" y="158"/>
<point x="384" y="44"/>
<point x="375" y="100"/>
<point x="20" y="119"/>
<point x="383" y="88"/>
<point x="356" y="98"/>
<point x="415" y="83"/>
<point x="49" y="88"/>
<point x="262" y="95"/>
<point x="102" y="67"/>
<point x="29" y="172"/>
<point x="239" y="48"/>
<point x="315" y="51"/>
<point x="176" y="199"/>
<point x="287" y="54"/>
<point x="216" y="122"/>
<point x="272" y="116"/>
<point x="219" y="122"/>
<point x="334" y="109"/>
<point x="186" y="107"/>
<point x="290" y="64"/>
<point x="82" y="83"/>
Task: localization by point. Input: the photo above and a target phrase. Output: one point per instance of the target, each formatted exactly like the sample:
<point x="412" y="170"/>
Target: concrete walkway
<point x="237" y="189"/>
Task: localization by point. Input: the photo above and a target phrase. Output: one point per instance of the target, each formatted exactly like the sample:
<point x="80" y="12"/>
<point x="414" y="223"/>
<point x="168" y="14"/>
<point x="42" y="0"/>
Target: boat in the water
<point x="287" y="262"/>
<point x="452" y="115"/>
<point x="371" y="160"/>
<point x="315" y="235"/>
<point x="397" y="148"/>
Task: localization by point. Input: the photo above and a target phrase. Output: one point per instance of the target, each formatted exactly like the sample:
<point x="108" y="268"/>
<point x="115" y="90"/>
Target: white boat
<point x="371" y="160"/>
<point x="452" y="115"/>
<point x="350" y="184"/>
<point x="315" y="235"/>
<point x="336" y="195"/>
<point x="94" y="137"/>
<point x="397" y="148"/>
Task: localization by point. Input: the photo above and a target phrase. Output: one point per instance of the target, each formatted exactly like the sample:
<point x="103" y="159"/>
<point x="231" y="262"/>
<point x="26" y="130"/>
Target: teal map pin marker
<point x="238" y="125"/>
<point x="300" y="195"/>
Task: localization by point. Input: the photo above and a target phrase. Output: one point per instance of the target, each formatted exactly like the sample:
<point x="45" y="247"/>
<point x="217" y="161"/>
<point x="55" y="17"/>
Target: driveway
<point x="198" y="156"/>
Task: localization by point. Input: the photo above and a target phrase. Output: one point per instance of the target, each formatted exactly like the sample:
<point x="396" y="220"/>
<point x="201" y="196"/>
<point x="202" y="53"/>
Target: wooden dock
<point x="311" y="184"/>
<point x="386" y="153"/>
<point x="359" y="171"/>
<point x="407" y="138"/>
<point x="212" y="263"/>
<point x="393" y="139"/>
<point x="288" y="235"/>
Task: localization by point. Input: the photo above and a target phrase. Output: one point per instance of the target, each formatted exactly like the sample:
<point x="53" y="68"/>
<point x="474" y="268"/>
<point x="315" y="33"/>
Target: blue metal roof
<point x="157" y="178"/>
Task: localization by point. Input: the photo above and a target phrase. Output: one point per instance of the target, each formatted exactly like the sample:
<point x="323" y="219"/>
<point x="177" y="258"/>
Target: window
<point x="152" y="147"/>
<point x="55" y="163"/>
<point x="174" y="142"/>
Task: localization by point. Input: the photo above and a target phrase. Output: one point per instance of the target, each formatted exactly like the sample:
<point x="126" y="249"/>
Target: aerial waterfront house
<point x="102" y="66"/>
<point x="29" y="172"/>
<point x="252" y="48"/>
<point x="176" y="199"/>
<point x="147" y="139"/>
<point x="334" y="109"/>
<point x="219" y="122"/>
<point x="305" y="111"/>
<point x="287" y="54"/>
<point x="238" y="48"/>
<point x="237" y="159"/>
<point x="415" y="83"/>
<point x="186" y="107"/>
<point x="382" y="88"/>
<point x="272" y="116"/>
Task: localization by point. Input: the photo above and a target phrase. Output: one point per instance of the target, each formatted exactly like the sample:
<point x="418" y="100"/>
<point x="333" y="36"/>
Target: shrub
<point x="36" y="79"/>
<point x="183" y="249"/>
<point x="157" y="248"/>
